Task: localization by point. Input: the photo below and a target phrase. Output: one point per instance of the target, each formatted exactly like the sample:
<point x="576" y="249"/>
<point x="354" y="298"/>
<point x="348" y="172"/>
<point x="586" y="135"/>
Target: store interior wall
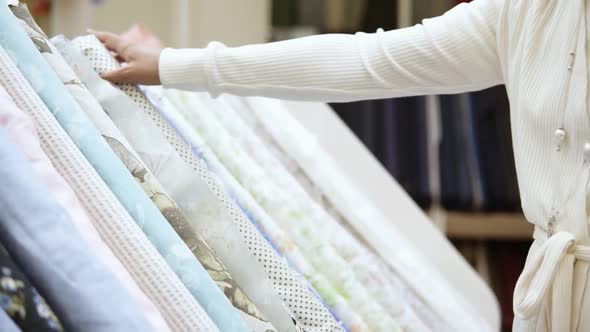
<point x="179" y="23"/>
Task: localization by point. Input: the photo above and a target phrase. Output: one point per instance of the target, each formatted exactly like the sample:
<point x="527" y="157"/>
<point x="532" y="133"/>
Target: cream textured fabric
<point x="111" y="220"/>
<point x="537" y="48"/>
<point x="307" y="310"/>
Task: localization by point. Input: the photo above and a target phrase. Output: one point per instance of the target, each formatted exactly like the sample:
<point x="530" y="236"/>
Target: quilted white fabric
<point x="114" y="224"/>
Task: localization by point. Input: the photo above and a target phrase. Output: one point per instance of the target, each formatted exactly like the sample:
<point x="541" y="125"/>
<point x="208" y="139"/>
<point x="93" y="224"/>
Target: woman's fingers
<point x="121" y="75"/>
<point x="113" y="42"/>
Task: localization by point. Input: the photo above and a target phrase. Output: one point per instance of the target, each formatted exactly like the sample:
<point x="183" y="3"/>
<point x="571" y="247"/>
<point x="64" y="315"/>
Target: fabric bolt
<point x="366" y="266"/>
<point x="194" y="197"/>
<point x="113" y="222"/>
<point x="114" y="101"/>
<point x="31" y="64"/>
<point x="43" y="241"/>
<point x="363" y="216"/>
<point x="314" y="317"/>
<point x="6" y="324"/>
<point x="21" y="129"/>
<point x="20" y="300"/>
<point x="294" y="219"/>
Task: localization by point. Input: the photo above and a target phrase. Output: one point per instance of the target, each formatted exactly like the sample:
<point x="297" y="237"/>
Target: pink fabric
<point x="20" y="128"/>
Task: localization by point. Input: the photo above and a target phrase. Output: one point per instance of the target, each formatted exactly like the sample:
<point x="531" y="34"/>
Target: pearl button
<point x="558" y="138"/>
<point x="586" y="152"/>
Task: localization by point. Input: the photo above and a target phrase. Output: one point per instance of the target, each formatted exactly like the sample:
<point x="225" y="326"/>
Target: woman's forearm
<point x="449" y="54"/>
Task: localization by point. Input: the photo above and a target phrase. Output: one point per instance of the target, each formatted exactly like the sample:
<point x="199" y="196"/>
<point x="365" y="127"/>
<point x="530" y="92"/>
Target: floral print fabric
<point x="21" y="301"/>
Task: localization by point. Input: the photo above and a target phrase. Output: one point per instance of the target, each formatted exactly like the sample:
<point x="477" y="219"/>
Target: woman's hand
<point x="139" y="51"/>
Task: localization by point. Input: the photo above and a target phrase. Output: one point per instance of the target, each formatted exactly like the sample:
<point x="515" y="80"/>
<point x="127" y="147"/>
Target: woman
<point x="537" y="48"/>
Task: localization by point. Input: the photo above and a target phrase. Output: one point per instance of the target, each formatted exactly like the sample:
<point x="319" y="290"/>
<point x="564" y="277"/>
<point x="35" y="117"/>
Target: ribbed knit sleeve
<point x="453" y="53"/>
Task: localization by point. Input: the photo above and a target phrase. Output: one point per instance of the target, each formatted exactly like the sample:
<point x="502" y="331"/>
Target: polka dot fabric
<point x="309" y="312"/>
<point x="110" y="218"/>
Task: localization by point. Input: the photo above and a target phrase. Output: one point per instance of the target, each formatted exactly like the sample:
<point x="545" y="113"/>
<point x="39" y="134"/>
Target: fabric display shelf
<point x="136" y="208"/>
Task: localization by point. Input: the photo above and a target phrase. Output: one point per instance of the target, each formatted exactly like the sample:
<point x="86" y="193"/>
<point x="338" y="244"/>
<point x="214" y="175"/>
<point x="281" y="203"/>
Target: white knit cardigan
<point x="537" y="48"/>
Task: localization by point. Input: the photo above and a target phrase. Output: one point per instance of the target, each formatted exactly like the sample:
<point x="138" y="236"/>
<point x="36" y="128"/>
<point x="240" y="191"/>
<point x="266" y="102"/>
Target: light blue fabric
<point x="51" y="90"/>
<point x="43" y="240"/>
<point x="6" y="324"/>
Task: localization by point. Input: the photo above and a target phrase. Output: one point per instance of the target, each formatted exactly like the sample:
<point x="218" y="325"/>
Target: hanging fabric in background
<point x="395" y="131"/>
<point x="476" y="156"/>
<point x="490" y="122"/>
<point x="457" y="173"/>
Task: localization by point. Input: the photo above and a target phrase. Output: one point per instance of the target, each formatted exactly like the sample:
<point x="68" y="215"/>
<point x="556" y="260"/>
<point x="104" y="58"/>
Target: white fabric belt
<point x="550" y="268"/>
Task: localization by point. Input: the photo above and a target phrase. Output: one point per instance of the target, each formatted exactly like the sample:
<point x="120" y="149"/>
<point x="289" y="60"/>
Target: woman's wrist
<point x="185" y="68"/>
